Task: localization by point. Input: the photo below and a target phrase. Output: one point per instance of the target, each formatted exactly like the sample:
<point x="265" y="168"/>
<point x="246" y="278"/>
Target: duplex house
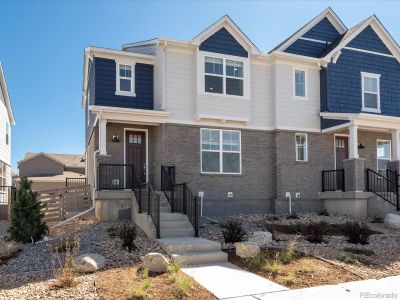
<point x="6" y="122"/>
<point x="312" y="124"/>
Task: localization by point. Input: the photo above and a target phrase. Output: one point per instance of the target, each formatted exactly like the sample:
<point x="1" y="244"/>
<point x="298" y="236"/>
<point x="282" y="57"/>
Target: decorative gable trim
<point x="327" y="13"/>
<point x="233" y="29"/>
<point x="3" y="89"/>
<point x="379" y="29"/>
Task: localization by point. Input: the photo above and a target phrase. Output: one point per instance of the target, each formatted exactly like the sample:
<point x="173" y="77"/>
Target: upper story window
<point x="125" y="79"/>
<point x="220" y="151"/>
<point x="301" y="147"/>
<point x="7" y="133"/>
<point x="223" y="76"/>
<point x="370" y="92"/>
<point x="300" y="84"/>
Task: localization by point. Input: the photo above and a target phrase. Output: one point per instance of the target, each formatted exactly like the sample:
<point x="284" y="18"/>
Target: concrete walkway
<point x="226" y="280"/>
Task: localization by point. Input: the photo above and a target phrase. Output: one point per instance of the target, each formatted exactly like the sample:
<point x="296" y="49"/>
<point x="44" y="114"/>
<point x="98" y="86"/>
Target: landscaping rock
<point x="392" y="221"/>
<point x="88" y="263"/>
<point x="247" y="249"/>
<point x="261" y="238"/>
<point x="155" y="262"/>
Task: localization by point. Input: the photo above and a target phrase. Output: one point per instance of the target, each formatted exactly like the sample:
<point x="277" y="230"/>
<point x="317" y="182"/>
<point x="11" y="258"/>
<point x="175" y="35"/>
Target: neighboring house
<point x="52" y="171"/>
<point x="248" y="130"/>
<point x="6" y="122"/>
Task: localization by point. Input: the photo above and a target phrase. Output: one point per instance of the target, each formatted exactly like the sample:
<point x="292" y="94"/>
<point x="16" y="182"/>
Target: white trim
<point x="378" y="93"/>
<point x="369" y="52"/>
<point x="147" y="147"/>
<point x="329" y="14"/>
<point x="305" y="146"/>
<point x="221" y="152"/>
<point x="3" y="87"/>
<point x="314" y="40"/>
<point x="334" y="145"/>
<point x="305" y="97"/>
<point x="353" y="142"/>
<point x="390" y="152"/>
<point x="118" y="91"/>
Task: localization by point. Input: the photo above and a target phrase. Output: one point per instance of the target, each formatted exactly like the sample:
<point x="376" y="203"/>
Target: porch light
<point x="115" y="138"/>
<point x="361" y="146"/>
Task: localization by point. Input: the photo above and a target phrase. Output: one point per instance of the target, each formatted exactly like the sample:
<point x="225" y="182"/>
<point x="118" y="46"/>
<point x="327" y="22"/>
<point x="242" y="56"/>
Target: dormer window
<point x="223" y="76"/>
<point x="370" y="92"/>
<point x="125" y="80"/>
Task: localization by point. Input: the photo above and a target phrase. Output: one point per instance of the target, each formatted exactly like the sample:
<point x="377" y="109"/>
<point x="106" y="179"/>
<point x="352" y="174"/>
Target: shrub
<point x="64" y="267"/>
<point x="26" y="215"/>
<point x="296" y="228"/>
<point x="354" y="260"/>
<point x="174" y="267"/>
<point x="142" y="291"/>
<point x="112" y="231"/>
<point x="289" y="254"/>
<point x="63" y="243"/>
<point x="9" y="250"/>
<point x="357" y="234"/>
<point x="273" y="266"/>
<point x="377" y="219"/>
<point x="289" y="279"/>
<point x="182" y="284"/>
<point x="256" y="261"/>
<point x="307" y="268"/>
<point x="127" y="233"/>
<point x="359" y="251"/>
<point x="324" y="213"/>
<point x="272" y="217"/>
<point x="293" y="215"/>
<point x="233" y="231"/>
<point x="315" y="231"/>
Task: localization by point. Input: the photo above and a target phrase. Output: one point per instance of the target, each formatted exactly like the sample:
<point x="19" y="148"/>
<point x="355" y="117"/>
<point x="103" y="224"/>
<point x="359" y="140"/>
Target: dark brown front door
<point x="136" y="152"/>
<point x="342" y="150"/>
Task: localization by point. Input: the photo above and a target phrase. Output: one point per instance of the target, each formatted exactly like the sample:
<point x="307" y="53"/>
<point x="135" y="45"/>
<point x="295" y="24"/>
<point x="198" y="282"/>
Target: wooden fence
<point x="62" y="204"/>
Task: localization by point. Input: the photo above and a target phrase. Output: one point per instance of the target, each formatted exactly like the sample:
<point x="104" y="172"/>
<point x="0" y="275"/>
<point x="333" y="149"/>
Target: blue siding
<point x="323" y="77"/>
<point x="324" y="31"/>
<point x="223" y="42"/>
<point x="369" y="40"/>
<point x="89" y="101"/>
<point x="327" y="123"/>
<point x="306" y="48"/>
<point x="344" y="82"/>
<point x="105" y="85"/>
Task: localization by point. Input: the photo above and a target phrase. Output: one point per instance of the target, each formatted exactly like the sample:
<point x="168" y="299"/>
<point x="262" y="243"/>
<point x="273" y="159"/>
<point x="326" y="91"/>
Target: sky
<point x="42" y="44"/>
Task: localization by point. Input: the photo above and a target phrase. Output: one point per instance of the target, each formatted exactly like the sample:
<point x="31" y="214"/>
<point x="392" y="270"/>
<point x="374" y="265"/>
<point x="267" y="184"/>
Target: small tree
<point x="27" y="223"/>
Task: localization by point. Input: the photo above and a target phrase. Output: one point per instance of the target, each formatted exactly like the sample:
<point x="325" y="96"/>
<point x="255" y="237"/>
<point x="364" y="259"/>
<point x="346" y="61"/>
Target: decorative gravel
<point x="386" y="246"/>
<point x="30" y="275"/>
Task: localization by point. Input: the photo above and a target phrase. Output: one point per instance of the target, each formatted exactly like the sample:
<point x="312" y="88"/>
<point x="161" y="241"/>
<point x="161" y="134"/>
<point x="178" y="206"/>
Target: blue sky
<point x="42" y="46"/>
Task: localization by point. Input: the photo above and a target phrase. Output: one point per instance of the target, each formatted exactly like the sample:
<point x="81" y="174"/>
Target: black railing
<point x="385" y="187"/>
<point x="124" y="177"/>
<point x="74" y="182"/>
<point x="333" y="180"/>
<point x="180" y="197"/>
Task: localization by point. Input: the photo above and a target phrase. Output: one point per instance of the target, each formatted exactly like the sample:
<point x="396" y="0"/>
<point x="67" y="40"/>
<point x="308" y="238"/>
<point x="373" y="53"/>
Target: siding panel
<point x="369" y="40"/>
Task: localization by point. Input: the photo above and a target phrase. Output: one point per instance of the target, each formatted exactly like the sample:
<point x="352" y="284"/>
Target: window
<point x="3" y="183"/>
<point x="125" y="80"/>
<point x="300" y="87"/>
<point x="383" y="154"/>
<point x="220" y="151"/>
<point x="301" y="147"/>
<point x="7" y="133"/>
<point x="223" y="76"/>
<point x="370" y="92"/>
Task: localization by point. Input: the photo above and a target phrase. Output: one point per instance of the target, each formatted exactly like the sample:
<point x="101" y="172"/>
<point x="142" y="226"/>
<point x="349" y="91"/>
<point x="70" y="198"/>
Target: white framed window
<point x="7" y="133"/>
<point x="125" y="79"/>
<point x="220" y="151"/>
<point x="223" y="76"/>
<point x="383" y="155"/>
<point x="370" y="90"/>
<point x="301" y="147"/>
<point x="300" y="84"/>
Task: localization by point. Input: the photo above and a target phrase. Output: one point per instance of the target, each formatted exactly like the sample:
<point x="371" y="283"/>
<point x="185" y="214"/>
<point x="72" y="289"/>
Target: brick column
<point x="354" y="174"/>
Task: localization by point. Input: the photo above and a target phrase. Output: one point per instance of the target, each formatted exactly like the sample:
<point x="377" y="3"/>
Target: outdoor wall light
<point x="361" y="146"/>
<point x="115" y="138"/>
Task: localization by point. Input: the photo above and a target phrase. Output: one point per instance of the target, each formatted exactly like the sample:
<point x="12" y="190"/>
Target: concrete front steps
<point x="190" y="251"/>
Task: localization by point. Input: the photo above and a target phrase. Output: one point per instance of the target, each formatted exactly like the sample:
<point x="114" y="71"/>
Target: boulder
<point x="155" y="262"/>
<point x="261" y="238"/>
<point x="392" y="221"/>
<point x="247" y="249"/>
<point x="91" y="262"/>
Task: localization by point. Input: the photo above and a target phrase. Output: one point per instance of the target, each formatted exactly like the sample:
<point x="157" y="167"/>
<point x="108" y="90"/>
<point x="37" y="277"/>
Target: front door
<point x="342" y="150"/>
<point x="136" y="152"/>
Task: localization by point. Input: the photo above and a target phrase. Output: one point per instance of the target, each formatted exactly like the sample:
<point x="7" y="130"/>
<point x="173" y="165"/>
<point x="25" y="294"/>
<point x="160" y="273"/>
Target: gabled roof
<point x="3" y="88"/>
<point x="353" y="32"/>
<point x="327" y="13"/>
<point x="68" y="160"/>
<point x="232" y="28"/>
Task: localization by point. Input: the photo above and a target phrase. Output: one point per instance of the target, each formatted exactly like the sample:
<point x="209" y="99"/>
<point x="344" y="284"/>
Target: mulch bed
<point x="323" y="272"/>
<point x="119" y="283"/>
